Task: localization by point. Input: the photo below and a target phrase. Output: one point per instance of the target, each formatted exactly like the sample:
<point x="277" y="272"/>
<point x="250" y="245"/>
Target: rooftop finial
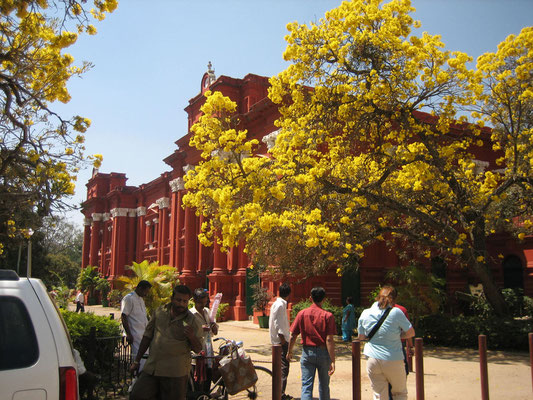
<point x="211" y="73"/>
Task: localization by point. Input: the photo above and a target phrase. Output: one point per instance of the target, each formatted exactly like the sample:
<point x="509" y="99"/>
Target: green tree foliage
<point x="418" y="291"/>
<point x="162" y="277"/>
<point x="40" y="151"/>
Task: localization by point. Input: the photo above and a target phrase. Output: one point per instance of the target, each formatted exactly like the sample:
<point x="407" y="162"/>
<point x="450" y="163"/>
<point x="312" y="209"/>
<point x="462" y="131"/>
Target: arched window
<point x="513" y="272"/>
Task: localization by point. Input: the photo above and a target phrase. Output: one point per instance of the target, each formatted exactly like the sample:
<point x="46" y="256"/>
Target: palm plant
<point x="162" y="277"/>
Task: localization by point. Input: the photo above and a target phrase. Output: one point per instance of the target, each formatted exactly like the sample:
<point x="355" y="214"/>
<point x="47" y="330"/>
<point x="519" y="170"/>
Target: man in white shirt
<point x="134" y="319"/>
<point x="80" y="302"/>
<point x="280" y="333"/>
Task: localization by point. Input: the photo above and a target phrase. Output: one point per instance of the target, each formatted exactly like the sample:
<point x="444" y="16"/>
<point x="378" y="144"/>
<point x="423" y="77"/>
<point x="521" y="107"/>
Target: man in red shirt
<point x="317" y="327"/>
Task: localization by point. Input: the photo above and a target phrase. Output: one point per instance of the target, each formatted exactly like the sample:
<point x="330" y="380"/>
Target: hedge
<point x="463" y="331"/>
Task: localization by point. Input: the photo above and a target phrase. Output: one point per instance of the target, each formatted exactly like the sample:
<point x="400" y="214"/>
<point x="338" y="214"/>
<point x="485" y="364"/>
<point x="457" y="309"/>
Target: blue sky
<point x="149" y="58"/>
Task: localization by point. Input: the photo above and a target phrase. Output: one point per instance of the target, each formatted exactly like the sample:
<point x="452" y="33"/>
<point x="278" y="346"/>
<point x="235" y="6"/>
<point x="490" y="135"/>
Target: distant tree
<point x="62" y="237"/>
<point x="40" y="151"/>
<point x="356" y="162"/>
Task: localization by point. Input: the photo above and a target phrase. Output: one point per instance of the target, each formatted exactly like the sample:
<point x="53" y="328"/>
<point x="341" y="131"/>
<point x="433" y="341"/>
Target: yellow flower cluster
<point x="354" y="161"/>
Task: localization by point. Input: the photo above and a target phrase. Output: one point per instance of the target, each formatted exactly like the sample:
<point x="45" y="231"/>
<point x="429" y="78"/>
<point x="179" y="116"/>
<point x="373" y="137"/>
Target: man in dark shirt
<point x="171" y="334"/>
<point x="317" y="327"/>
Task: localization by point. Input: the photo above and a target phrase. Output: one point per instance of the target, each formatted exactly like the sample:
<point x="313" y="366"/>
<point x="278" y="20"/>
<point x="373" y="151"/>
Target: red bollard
<point x="530" y="336"/>
<point x="356" y="369"/>
<point x="409" y="353"/>
<point x="276" y="372"/>
<point x="419" y="361"/>
<point x="484" y="374"/>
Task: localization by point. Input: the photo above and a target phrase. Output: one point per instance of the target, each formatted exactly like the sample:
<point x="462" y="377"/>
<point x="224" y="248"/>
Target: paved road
<point x="448" y="373"/>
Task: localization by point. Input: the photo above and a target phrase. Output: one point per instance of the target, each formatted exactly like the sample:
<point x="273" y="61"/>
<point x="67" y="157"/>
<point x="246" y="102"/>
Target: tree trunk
<point x="482" y="269"/>
<point x="492" y="293"/>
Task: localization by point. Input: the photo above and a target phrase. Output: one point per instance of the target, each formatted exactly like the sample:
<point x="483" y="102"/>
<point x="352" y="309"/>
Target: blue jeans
<point x="315" y="359"/>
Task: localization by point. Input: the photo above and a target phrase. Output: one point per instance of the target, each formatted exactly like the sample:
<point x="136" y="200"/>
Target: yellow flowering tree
<point x="40" y="151"/>
<point x="356" y="161"/>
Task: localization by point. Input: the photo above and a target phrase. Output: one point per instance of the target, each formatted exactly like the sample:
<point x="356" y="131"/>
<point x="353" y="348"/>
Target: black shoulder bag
<point x="378" y="324"/>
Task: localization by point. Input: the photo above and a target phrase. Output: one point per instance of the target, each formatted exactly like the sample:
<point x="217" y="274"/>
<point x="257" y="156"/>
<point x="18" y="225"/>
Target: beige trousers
<point x="381" y="373"/>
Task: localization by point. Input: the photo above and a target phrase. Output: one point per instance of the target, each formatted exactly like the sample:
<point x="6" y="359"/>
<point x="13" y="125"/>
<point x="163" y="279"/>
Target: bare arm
<point x="330" y="344"/>
<point x="291" y="346"/>
<point x="409" y="334"/>
<point x="126" y="325"/>
<point x="196" y="344"/>
<point x="145" y="343"/>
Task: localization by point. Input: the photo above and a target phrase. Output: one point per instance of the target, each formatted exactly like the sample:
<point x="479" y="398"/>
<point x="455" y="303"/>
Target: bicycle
<point x="262" y="389"/>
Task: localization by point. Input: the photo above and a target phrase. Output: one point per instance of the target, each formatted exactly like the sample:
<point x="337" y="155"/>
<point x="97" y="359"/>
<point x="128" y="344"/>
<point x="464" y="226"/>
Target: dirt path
<point x="449" y="374"/>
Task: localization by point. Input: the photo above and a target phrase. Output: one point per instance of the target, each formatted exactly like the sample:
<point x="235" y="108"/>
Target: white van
<point x="36" y="356"/>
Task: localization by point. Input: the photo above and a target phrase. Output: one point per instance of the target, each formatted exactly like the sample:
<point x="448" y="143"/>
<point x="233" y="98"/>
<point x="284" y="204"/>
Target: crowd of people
<point x="162" y="346"/>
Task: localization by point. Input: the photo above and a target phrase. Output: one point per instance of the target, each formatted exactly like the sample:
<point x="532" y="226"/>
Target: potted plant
<point x="261" y="297"/>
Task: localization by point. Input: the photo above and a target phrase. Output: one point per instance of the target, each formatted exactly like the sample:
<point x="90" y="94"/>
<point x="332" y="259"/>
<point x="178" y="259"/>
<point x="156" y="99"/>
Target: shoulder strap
<point x="378" y="324"/>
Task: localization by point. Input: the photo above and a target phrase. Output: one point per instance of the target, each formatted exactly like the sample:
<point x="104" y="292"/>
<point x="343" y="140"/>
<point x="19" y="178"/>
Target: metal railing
<point x="108" y="360"/>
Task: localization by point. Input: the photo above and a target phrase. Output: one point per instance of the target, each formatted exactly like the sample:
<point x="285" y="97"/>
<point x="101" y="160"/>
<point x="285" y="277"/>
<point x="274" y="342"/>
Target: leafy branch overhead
<point x="40" y="150"/>
<point x="374" y="145"/>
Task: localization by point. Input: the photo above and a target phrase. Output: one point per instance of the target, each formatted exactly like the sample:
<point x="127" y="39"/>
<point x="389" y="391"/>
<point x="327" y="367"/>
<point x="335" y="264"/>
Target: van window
<point x="18" y="343"/>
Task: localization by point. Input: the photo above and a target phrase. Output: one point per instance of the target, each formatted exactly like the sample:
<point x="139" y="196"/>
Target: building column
<point x="176" y="186"/>
<point x="205" y="253"/>
<point x="190" y="259"/>
<point x="141" y="233"/>
<point x="239" y="309"/>
<point x="131" y="243"/>
<point x="106" y="243"/>
<point x="118" y="241"/>
<point x="86" y="250"/>
<point x="95" y="239"/>
<point x="162" y="229"/>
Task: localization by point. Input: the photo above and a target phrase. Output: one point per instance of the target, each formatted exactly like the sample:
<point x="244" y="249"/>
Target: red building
<point x="127" y="223"/>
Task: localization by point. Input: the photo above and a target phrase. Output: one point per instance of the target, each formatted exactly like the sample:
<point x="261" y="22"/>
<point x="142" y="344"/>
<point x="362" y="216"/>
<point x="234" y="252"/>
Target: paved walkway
<point x="448" y="373"/>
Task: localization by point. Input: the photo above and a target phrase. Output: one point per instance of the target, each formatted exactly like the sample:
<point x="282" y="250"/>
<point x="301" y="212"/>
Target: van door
<point x="28" y="358"/>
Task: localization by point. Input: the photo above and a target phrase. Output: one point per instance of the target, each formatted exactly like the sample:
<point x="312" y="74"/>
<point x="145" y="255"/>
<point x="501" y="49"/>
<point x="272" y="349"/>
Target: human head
<point x="180" y="298"/>
<point x="284" y="290"/>
<point x="200" y="297"/>
<point x="142" y="288"/>
<point x="349" y="300"/>
<point x="318" y="294"/>
<point x="386" y="297"/>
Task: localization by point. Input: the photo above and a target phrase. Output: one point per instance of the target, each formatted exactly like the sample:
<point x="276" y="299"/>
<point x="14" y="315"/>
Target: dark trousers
<point x="80" y="306"/>
<point x="285" y="365"/>
<point x="151" y="387"/>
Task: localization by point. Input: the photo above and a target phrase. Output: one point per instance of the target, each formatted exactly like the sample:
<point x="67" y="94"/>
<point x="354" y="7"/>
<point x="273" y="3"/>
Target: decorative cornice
<point x="156" y="220"/>
<point x="141" y="211"/>
<point x="148" y="223"/>
<point x="177" y="184"/>
<point x="270" y="139"/>
<point x="119" y="212"/>
<point x="97" y="217"/>
<point x="106" y="216"/>
<point x="132" y="212"/>
<point x="87" y="221"/>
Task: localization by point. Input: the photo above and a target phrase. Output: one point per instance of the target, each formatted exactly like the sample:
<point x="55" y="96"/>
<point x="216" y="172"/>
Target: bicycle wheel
<point x="263" y="387"/>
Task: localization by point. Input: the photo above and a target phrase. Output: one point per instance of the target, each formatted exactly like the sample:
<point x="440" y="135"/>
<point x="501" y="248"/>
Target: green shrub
<point x="80" y="324"/>
<point x="326" y="305"/>
<point x="114" y="297"/>
<point x="222" y="308"/>
<point x="463" y="331"/>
